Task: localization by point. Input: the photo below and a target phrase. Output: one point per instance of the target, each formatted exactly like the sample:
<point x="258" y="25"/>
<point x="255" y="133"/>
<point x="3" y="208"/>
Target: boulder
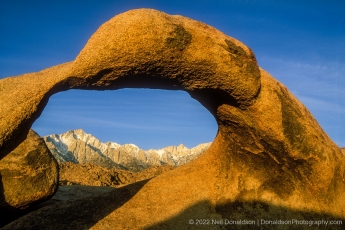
<point x="28" y="175"/>
<point x="270" y="158"/>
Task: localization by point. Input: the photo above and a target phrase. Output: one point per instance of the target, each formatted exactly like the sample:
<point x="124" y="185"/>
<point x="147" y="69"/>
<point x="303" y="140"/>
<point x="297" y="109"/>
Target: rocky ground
<point x="75" y="192"/>
<point x="82" y="181"/>
<point x="89" y="181"/>
<point x="95" y="175"/>
<point x="75" y="204"/>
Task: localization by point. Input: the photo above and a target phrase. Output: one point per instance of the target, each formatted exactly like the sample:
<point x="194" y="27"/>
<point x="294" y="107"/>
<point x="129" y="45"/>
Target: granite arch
<point x="269" y="148"/>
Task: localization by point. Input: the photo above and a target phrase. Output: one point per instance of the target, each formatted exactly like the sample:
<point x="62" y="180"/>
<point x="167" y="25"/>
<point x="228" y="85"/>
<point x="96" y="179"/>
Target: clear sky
<point x="300" y="43"/>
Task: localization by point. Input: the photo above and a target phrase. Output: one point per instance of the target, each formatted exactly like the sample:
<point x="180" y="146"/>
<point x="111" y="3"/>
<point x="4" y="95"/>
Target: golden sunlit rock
<point x="270" y="158"/>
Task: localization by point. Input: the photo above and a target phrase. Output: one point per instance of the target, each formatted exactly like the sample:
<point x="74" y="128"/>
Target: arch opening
<point x="136" y="111"/>
<point x="151" y="123"/>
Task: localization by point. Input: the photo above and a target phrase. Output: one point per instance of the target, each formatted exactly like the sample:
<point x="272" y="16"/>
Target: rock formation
<point x="28" y="175"/>
<point x="270" y="158"/>
<point x="80" y="148"/>
<point x="95" y="175"/>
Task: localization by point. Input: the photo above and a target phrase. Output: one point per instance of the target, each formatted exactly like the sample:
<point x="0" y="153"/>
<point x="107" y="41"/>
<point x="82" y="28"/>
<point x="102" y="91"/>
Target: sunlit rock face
<point x="270" y="157"/>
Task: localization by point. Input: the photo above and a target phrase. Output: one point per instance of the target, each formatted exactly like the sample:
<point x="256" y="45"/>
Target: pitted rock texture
<point x="28" y="175"/>
<point x="270" y="157"/>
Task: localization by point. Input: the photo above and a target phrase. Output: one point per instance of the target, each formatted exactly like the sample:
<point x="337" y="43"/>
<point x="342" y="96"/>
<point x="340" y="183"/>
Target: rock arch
<point x="268" y="149"/>
<point x="185" y="55"/>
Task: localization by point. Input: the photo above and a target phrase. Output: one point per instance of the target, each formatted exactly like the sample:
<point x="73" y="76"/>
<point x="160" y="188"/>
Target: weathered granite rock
<point x="271" y="160"/>
<point x="270" y="157"/>
<point x="28" y="175"/>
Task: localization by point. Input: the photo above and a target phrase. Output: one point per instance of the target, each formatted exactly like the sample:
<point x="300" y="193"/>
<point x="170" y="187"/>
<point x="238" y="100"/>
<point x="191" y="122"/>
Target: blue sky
<point x="300" y="43"/>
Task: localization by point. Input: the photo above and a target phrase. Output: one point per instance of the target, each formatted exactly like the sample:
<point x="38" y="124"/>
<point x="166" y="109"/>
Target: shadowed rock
<point x="268" y="149"/>
<point x="28" y="175"/>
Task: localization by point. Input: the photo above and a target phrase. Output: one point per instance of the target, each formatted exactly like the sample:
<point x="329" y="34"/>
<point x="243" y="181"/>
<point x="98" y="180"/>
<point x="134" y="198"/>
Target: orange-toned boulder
<point x="270" y="158"/>
<point x="28" y="175"/>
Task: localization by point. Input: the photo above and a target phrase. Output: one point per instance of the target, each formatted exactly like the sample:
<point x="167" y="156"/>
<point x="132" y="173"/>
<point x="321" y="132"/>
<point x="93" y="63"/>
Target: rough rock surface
<point x="270" y="158"/>
<point x="78" y="147"/>
<point x="28" y="175"/>
<point x="95" y="175"/>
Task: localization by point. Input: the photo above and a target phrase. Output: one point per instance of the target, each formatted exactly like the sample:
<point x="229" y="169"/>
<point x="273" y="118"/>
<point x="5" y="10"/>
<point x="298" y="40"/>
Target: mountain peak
<point x="81" y="131"/>
<point x="79" y="147"/>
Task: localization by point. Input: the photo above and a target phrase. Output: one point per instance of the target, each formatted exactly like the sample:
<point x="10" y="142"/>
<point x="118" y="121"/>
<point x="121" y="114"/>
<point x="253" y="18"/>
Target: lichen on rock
<point x="182" y="38"/>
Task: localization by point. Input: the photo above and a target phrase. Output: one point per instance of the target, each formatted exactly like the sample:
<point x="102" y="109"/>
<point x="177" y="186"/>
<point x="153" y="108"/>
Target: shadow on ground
<point x="85" y="213"/>
<point x="247" y="215"/>
<point x="79" y="214"/>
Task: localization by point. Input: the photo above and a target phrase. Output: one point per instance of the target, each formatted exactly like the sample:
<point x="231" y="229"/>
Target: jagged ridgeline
<point x="80" y="148"/>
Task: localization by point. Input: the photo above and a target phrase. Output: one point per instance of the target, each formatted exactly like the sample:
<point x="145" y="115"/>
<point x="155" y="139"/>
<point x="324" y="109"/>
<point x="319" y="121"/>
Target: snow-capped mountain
<point x="78" y="147"/>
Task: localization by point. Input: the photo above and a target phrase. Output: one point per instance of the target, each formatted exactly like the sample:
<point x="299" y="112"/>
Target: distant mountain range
<point x="80" y="148"/>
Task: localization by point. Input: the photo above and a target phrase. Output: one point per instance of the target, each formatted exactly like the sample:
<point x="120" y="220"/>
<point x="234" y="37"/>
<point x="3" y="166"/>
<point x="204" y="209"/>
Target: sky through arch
<point x="145" y="117"/>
